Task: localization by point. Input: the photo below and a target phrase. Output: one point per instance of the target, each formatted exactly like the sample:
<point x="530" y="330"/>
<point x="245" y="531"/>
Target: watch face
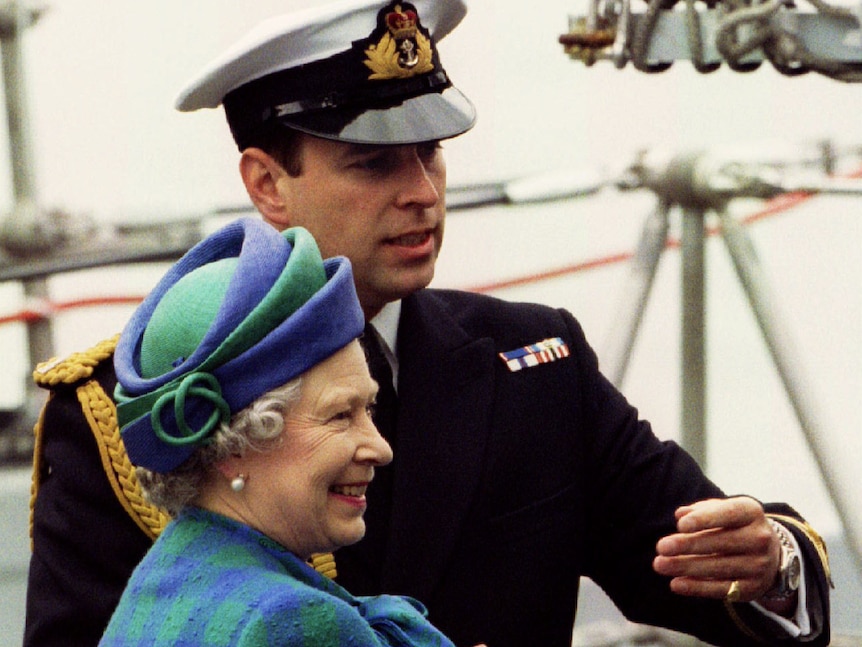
<point x="793" y="570"/>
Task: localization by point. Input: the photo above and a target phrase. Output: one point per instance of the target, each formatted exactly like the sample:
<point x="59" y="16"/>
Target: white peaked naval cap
<point x="358" y="71"/>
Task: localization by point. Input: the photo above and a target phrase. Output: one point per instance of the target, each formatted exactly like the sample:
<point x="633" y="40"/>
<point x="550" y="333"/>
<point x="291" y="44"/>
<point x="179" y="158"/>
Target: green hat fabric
<point x="183" y="316"/>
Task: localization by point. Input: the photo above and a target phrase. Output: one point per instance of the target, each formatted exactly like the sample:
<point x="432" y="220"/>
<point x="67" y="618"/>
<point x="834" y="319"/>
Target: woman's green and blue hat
<point x="243" y="312"/>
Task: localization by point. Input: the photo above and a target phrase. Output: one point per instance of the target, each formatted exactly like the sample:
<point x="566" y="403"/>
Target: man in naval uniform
<point x="518" y="467"/>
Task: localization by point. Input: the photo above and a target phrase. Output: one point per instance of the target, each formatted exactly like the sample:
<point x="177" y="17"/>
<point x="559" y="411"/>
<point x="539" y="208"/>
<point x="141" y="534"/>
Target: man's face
<point x="381" y="206"/>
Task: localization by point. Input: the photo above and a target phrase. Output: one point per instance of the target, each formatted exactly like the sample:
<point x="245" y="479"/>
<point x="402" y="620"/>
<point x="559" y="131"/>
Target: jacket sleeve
<point x="89" y="525"/>
<point x="639" y="482"/>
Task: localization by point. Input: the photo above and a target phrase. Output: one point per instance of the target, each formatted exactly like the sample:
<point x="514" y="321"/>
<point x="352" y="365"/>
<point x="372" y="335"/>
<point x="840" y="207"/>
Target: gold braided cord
<point x="101" y="414"/>
<point x="76" y="366"/>
<point x="36" y="478"/>
<point x="324" y="563"/>
<point x="744" y="628"/>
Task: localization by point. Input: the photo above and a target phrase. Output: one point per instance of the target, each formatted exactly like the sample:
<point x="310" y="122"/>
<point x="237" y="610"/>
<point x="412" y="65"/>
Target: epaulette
<point x="100" y="413"/>
<point x="75" y="367"/>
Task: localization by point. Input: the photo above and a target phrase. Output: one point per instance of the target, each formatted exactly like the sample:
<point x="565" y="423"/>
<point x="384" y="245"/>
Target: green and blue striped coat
<point x="209" y="580"/>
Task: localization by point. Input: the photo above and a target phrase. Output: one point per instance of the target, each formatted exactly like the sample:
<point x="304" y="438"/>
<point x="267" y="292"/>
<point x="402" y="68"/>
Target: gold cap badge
<point x="403" y="50"/>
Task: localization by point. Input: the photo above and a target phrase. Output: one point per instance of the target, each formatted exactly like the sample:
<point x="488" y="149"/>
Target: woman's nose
<point x="376" y="449"/>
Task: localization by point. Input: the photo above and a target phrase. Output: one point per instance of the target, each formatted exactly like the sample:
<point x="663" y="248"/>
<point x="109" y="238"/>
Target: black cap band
<point x="394" y="67"/>
<point x="335" y="86"/>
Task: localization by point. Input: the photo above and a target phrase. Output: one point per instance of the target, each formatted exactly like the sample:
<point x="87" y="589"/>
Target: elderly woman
<point x="243" y="399"/>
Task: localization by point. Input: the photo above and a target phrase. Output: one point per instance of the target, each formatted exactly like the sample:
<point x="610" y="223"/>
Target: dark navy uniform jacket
<point x="508" y="486"/>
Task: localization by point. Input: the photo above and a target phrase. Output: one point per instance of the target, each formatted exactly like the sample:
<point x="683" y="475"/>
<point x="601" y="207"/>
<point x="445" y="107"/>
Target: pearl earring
<point x="238" y="483"/>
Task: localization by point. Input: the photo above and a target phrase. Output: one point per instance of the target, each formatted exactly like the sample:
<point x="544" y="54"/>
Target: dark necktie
<point x="360" y="565"/>
<point x="386" y="408"/>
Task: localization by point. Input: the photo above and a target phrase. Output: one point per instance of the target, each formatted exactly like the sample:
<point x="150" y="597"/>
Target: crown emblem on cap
<point x="402" y="24"/>
<point x="403" y="50"/>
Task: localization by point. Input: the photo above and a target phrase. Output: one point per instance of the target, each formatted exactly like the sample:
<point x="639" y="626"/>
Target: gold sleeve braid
<point x="36" y="479"/>
<point x="101" y="415"/>
<point x="815" y="539"/>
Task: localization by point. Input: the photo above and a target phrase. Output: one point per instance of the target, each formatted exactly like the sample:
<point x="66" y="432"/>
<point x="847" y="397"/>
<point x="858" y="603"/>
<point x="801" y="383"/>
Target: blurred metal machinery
<point x="795" y="37"/>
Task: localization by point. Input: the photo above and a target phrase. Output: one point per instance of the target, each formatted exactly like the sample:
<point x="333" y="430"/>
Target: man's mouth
<point x="411" y="240"/>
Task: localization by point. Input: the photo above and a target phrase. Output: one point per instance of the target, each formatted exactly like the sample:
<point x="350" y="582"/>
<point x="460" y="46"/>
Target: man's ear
<point x="260" y="174"/>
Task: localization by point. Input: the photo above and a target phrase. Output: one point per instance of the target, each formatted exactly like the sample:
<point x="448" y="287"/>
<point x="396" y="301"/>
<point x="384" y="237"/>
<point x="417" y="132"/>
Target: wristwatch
<point x="789" y="567"/>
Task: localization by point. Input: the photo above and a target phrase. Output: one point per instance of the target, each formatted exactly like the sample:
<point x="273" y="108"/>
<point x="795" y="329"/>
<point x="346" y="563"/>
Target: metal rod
<point x="620" y="343"/>
<point x="693" y="373"/>
<point x="40" y="338"/>
<point x="17" y="113"/>
<point x="836" y="467"/>
<point x="826" y="186"/>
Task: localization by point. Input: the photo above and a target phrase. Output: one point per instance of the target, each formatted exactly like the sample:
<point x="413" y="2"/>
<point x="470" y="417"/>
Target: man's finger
<point x="710" y="567"/>
<point x="742" y="591"/>
<point x="719" y="513"/>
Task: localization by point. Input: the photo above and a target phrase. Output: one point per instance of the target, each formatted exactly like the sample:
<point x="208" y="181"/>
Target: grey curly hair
<point x="258" y="427"/>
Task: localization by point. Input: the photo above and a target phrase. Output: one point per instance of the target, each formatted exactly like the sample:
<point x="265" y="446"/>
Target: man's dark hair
<point x="282" y="144"/>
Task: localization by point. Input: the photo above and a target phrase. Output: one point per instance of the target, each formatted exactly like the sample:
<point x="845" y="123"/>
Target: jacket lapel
<point x="445" y="390"/>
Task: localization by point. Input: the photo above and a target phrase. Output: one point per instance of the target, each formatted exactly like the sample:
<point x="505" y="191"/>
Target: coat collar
<point x="447" y="384"/>
<point x="386" y="325"/>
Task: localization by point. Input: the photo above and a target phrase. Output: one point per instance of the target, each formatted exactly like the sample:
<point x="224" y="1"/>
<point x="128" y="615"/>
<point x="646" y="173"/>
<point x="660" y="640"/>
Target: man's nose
<point x="419" y="182"/>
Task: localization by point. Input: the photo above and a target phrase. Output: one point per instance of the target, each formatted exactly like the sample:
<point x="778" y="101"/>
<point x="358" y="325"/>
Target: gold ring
<point x="733" y="593"/>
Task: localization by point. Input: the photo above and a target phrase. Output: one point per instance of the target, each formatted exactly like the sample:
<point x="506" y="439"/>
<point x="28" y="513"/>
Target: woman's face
<point x="308" y="492"/>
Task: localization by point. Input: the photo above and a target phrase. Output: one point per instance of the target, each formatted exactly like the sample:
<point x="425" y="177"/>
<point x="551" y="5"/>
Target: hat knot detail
<point x="197" y="385"/>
